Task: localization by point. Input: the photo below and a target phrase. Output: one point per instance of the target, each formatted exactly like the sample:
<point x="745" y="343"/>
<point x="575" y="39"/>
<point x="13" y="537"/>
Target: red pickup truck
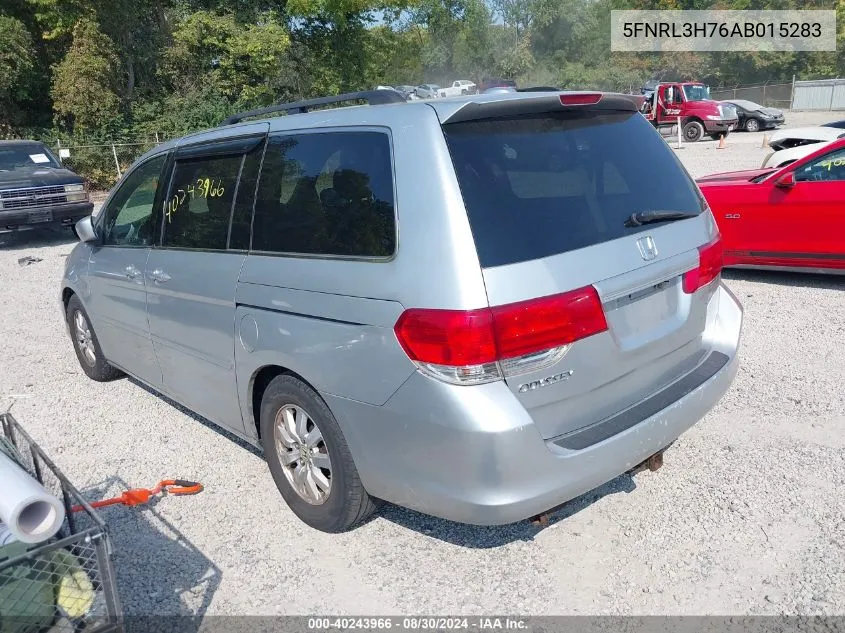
<point x="665" y="101"/>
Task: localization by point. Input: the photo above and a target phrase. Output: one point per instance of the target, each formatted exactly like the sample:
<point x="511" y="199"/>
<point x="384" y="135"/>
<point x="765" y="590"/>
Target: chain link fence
<point x="103" y="164"/>
<point x="773" y="95"/>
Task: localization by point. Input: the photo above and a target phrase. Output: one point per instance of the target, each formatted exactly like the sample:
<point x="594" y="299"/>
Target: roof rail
<point x="373" y="97"/>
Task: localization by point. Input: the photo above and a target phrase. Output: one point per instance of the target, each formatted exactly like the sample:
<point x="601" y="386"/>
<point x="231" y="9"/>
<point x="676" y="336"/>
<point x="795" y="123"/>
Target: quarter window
<point x="129" y="219"/>
<point x="328" y="193"/>
<point x="196" y="215"/>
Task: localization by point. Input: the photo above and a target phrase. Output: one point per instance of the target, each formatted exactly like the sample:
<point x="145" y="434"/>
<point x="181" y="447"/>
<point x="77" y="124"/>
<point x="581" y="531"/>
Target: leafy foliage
<point x="17" y="59"/>
<point x="85" y="82"/>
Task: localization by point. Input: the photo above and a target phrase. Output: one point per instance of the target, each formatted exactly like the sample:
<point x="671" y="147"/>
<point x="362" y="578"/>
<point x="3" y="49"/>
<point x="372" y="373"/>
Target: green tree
<point x="242" y="61"/>
<point x="85" y="82"/>
<point x="16" y="61"/>
<point x="473" y="53"/>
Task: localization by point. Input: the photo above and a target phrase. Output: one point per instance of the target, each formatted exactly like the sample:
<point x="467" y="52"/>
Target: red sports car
<point x="784" y="218"/>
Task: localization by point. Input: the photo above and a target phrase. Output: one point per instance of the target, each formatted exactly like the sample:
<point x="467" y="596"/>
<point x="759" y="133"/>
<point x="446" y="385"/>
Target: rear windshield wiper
<point x="648" y="217"/>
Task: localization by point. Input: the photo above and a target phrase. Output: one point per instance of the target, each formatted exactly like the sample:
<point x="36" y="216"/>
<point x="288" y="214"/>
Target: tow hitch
<point x="652" y="463"/>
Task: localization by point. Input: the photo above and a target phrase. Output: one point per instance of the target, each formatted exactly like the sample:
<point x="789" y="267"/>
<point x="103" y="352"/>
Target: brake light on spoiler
<point x="470" y="347"/>
<point x="583" y="98"/>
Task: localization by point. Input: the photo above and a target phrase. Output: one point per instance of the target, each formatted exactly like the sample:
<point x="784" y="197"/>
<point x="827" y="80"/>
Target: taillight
<point x="447" y="337"/>
<point x="590" y="98"/>
<point x="476" y="346"/>
<point x="709" y="266"/>
<point x="540" y="324"/>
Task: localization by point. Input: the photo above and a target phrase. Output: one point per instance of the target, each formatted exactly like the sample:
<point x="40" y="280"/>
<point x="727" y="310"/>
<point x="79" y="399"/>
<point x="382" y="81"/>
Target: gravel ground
<point x="744" y="517"/>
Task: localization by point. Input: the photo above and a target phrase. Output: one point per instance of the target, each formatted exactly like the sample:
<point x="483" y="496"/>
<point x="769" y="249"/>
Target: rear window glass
<point x="536" y="186"/>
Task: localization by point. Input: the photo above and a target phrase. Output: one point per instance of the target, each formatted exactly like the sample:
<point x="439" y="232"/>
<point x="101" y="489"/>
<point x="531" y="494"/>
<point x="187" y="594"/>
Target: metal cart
<point x="80" y="552"/>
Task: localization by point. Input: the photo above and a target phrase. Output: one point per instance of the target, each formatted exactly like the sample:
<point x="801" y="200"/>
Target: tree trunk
<point x="130" y="77"/>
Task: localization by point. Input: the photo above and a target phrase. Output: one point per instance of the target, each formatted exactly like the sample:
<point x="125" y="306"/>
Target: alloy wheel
<point x="84" y="338"/>
<point x="303" y="454"/>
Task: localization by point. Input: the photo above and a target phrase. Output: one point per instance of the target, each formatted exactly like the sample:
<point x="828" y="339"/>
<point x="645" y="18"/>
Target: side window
<point x="201" y="194"/>
<point x="128" y="220"/>
<point x="825" y="168"/>
<point x="328" y="193"/>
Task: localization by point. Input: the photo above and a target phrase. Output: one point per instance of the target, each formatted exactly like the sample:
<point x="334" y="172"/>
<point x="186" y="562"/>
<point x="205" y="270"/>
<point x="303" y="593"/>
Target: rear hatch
<point x="599" y="311"/>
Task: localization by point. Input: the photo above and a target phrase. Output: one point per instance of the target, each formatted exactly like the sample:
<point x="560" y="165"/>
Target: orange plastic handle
<point x="139" y="496"/>
<point x="180" y="487"/>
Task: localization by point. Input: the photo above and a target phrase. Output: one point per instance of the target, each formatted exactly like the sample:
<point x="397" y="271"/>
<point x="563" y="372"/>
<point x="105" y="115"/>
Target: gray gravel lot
<point x="746" y="516"/>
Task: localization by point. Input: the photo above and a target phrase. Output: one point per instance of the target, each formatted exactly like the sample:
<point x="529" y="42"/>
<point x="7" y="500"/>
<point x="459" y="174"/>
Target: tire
<point x="85" y="344"/>
<point x="338" y="501"/>
<point x="752" y="125"/>
<point x="693" y="131"/>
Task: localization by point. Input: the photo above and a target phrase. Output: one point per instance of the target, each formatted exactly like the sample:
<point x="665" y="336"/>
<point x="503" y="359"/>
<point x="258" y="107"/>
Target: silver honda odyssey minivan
<point x="478" y="308"/>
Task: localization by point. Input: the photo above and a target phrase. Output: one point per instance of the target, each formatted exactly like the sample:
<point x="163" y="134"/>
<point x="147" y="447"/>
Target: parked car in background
<point x="36" y="190"/>
<point x="496" y="82"/>
<point x="753" y="117"/>
<point x="543" y="325"/>
<point x="791" y="144"/>
<point x="407" y="91"/>
<point x="427" y="91"/>
<point x="837" y="124"/>
<point x="787" y="218"/>
<point x="459" y="87"/>
<point x="498" y="90"/>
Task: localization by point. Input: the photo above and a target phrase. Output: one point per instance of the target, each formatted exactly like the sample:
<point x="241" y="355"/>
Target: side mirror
<point x="85" y="230"/>
<point x="786" y="181"/>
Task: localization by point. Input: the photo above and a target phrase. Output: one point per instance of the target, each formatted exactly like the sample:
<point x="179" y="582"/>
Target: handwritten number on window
<point x="202" y="188"/>
<point x="836" y="162"/>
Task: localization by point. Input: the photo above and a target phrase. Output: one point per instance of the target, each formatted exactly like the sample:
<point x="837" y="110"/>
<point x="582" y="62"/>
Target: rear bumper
<point x="58" y="214"/>
<point x="473" y="454"/>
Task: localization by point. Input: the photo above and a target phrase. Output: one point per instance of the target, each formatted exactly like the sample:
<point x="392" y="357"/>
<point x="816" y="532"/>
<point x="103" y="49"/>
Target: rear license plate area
<point x="37" y="217"/>
<point x="636" y="314"/>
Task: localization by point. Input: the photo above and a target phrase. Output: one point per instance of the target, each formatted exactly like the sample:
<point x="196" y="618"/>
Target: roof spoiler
<point x="542" y="103"/>
<point x="372" y="97"/>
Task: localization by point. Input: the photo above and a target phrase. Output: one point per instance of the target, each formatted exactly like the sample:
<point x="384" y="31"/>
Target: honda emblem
<point x="648" y="249"/>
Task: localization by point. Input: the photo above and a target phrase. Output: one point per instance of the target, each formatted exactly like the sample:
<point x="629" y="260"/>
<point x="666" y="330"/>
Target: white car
<point x="791" y="144"/>
<point x="427" y="91"/>
<point x="458" y="88"/>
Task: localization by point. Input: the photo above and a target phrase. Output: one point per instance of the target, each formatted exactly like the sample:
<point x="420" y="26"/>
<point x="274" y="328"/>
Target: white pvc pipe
<point x="679" y="132"/>
<point x="30" y="513"/>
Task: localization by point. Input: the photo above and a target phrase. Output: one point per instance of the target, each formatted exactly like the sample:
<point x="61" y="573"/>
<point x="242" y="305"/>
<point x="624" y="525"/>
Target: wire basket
<point x="67" y="584"/>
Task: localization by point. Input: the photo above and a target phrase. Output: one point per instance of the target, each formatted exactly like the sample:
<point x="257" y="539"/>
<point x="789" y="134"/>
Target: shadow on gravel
<point x="476" y="537"/>
<point x="198" y="418"/>
<point x="159" y="571"/>
<point x="36" y="238"/>
<point x="798" y="280"/>
<point x="470" y="536"/>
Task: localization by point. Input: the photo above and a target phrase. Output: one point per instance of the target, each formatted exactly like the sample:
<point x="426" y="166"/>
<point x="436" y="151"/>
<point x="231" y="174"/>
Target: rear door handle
<point x="132" y="272"/>
<point x="159" y="276"/>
